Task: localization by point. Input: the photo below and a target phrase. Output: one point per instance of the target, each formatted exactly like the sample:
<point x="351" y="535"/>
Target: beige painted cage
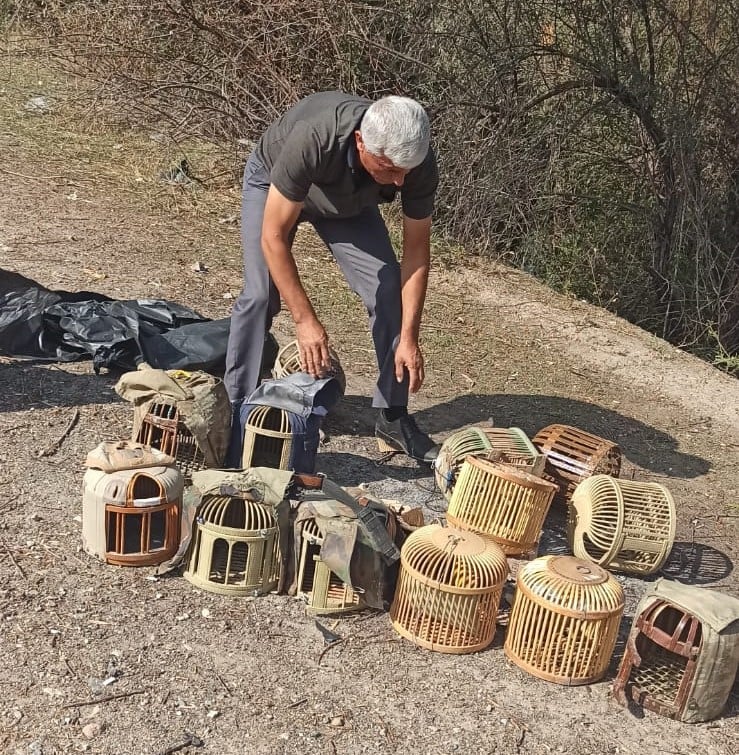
<point x="268" y="438"/>
<point x="321" y="588"/>
<point x="509" y="445"/>
<point x="288" y="362"/>
<point x="131" y="517"/>
<point x="448" y="590"/>
<point x="234" y="549"/>
<point x="163" y="428"/>
<point x="564" y="621"/>
<point x="502" y="503"/>
<point x="573" y="455"/>
<point x="622" y="524"/>
<point x="682" y="654"/>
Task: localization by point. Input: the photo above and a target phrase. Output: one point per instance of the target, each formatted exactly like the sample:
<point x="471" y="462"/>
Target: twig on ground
<point x="190" y="741"/>
<point x="296" y="703"/>
<point x="54" y="447"/>
<point x="12" y="558"/>
<point x="106" y="699"/>
<point x="327" y="648"/>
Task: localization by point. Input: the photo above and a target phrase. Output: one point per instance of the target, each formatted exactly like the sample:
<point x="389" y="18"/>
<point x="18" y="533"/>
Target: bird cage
<point x="321" y="588"/>
<point x="564" y="621"/>
<point x="573" y="455"/>
<point x="509" y="445"/>
<point x="268" y="438"/>
<point x="131" y="517"/>
<point x="234" y="547"/>
<point x="448" y="589"/>
<point x="622" y="525"/>
<point x="502" y="503"/>
<point x="682" y="654"/>
<point x="288" y="362"/>
<point x="163" y="428"/>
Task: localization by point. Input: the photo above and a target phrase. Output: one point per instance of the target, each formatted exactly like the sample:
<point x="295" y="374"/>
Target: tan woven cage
<point x="132" y="517"/>
<point x="288" y="362"/>
<point x="682" y="653"/>
<point x="572" y="455"/>
<point x="234" y="548"/>
<point x="268" y="439"/>
<point x="621" y="524"/>
<point x="448" y="589"/>
<point x="163" y="428"/>
<point x="502" y="503"/>
<point x="322" y="590"/>
<point x="564" y="621"/>
<point x="509" y="445"/>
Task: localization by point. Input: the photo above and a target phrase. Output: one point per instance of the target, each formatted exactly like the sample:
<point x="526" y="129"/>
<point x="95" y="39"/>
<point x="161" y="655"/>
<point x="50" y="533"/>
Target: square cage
<point x="682" y="653"/>
<point x="322" y="590"/>
<point x="163" y="428"/>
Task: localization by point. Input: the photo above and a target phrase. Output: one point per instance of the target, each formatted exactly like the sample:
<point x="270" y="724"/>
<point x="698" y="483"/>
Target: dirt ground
<point x="84" y="208"/>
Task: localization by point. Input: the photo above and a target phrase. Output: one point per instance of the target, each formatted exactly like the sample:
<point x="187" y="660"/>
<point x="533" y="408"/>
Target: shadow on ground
<point x="642" y="444"/>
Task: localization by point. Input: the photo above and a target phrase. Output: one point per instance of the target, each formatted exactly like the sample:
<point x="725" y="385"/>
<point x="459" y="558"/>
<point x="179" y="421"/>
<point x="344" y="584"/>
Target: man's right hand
<point x="313" y="348"/>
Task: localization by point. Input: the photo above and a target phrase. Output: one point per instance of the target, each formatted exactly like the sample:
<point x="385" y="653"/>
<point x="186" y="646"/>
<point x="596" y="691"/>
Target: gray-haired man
<point x="331" y="160"/>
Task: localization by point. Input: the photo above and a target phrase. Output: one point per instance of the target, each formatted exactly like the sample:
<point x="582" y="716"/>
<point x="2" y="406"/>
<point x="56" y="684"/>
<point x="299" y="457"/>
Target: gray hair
<point x="397" y="128"/>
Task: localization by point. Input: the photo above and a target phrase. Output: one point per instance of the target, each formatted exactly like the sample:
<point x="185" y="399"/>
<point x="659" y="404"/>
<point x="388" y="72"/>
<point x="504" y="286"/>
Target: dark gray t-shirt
<point x="310" y="153"/>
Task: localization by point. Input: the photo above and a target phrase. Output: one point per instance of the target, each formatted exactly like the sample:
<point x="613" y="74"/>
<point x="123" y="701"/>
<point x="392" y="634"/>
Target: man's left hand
<point x="408" y="357"/>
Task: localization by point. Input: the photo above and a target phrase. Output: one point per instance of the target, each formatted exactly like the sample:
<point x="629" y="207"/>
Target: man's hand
<point x="313" y="347"/>
<point x="408" y="357"/>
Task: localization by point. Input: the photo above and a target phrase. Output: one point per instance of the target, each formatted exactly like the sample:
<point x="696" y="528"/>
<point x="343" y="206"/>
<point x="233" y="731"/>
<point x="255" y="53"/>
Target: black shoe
<point x="404" y="436"/>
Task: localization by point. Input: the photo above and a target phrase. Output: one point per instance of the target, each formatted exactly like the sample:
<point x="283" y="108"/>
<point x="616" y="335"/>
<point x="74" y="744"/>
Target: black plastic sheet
<point x="64" y="326"/>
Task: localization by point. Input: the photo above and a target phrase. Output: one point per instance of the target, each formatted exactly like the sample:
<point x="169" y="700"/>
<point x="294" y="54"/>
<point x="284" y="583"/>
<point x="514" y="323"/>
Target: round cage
<point x="621" y="524"/>
<point x="564" y="621"/>
<point x="509" y="445"/>
<point x="502" y="503"/>
<point x="321" y="588"/>
<point x="132" y="517"/>
<point x="162" y="428"/>
<point x="268" y="438"/>
<point x="573" y="455"/>
<point x="448" y="590"/>
<point x="288" y="362"/>
<point x="234" y="548"/>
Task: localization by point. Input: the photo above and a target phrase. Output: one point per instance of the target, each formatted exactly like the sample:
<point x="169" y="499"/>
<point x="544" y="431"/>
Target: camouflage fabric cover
<point x="718" y="659"/>
<point x="111" y="456"/>
<point x="201" y="401"/>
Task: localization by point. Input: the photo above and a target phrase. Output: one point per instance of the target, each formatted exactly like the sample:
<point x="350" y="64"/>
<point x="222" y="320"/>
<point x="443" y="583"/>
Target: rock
<point x="90" y="731"/>
<point x="337" y="721"/>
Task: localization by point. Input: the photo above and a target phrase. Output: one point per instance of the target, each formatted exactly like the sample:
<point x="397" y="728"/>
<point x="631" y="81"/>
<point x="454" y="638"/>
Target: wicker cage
<point x="448" y="590"/>
<point x="564" y="621"/>
<point x="321" y="588"/>
<point x="572" y="455"/>
<point x="132" y="517"/>
<point x="502" y="503"/>
<point x="509" y="445"/>
<point x="682" y="654"/>
<point x="288" y="362"/>
<point x="621" y="524"/>
<point x="163" y="428"/>
<point x="234" y="548"/>
<point x="268" y="438"/>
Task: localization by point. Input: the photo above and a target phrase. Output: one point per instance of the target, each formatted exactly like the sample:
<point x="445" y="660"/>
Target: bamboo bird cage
<point x="621" y="524"/>
<point x="502" y="503"/>
<point x="288" y="362"/>
<point x="234" y="547"/>
<point x="509" y="445"/>
<point x="448" y="590"/>
<point x="268" y="438"/>
<point x="564" y="621"/>
<point x="572" y="455"/>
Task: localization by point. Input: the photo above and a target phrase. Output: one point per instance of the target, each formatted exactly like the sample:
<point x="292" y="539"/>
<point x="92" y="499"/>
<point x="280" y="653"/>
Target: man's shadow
<point x="642" y="444"/>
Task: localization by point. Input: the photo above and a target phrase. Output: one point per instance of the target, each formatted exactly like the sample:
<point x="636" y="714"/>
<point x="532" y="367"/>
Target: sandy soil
<point x="251" y="675"/>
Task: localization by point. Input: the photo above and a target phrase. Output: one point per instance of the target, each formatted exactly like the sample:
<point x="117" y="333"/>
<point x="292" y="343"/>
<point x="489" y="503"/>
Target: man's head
<point x="393" y="138"/>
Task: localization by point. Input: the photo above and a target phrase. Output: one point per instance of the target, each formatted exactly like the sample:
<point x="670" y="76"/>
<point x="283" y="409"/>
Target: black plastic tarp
<point x="65" y="326"/>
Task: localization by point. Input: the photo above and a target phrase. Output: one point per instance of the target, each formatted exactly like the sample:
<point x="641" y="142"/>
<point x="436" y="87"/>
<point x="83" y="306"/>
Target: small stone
<point x="284" y="736"/>
<point x="213" y="713"/>
<point x="90" y="731"/>
<point x="35" y="517"/>
<point x="337" y="721"/>
<point x="205" y="613"/>
<point x="182" y="617"/>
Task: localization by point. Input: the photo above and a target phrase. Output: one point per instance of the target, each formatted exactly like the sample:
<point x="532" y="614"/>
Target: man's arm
<point x="280" y="216"/>
<point x="414" y="275"/>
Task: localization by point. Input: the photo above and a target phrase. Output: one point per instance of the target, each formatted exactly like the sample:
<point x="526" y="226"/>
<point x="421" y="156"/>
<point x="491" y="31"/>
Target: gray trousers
<point x="361" y="247"/>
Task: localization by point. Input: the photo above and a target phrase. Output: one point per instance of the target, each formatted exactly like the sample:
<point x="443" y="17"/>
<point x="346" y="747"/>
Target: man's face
<point x="380" y="168"/>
